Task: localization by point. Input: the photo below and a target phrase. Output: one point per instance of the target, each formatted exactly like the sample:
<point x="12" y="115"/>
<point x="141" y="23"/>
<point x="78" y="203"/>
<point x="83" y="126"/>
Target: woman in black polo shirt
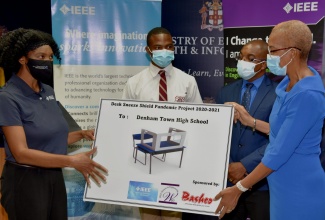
<point x="35" y="132"/>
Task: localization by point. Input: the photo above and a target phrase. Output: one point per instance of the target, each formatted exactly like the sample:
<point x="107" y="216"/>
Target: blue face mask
<point x="162" y="58"/>
<point x="273" y="63"/>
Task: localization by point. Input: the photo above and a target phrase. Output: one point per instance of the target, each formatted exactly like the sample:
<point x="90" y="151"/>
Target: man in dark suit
<point x="248" y="143"/>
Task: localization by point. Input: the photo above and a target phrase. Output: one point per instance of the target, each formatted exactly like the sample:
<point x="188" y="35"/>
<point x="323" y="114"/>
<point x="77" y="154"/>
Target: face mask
<point x="41" y="70"/>
<point x="273" y="63"/>
<point x="246" y="69"/>
<point x="162" y="57"/>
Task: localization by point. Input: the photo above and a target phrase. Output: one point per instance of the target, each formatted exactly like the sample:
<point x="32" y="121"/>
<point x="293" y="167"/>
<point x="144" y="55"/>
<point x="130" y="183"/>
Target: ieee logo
<point x="179" y="98"/>
<point x="78" y="10"/>
<point x="50" y="97"/>
<point x="142" y="191"/>
<point x="301" y="7"/>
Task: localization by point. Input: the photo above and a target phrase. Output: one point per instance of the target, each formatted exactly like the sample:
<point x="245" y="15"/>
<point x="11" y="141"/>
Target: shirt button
<point x="40" y="98"/>
<point x="239" y="145"/>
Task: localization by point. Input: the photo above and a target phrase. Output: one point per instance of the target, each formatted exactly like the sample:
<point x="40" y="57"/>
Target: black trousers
<point x="32" y="193"/>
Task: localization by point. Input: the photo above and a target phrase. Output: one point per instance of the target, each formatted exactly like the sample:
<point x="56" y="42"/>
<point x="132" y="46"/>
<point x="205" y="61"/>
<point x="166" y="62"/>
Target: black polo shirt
<point x="38" y="113"/>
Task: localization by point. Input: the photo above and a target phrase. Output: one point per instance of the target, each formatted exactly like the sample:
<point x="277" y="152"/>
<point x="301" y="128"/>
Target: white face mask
<point x="246" y="69"/>
<point x="273" y="63"/>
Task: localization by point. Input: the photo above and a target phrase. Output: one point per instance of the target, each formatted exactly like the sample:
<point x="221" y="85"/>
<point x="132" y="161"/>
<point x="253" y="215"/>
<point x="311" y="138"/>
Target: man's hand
<point x="236" y="172"/>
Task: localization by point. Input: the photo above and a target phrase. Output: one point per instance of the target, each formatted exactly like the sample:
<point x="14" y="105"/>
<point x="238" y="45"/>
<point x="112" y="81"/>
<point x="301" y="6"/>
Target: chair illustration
<point x="159" y="143"/>
<point x="136" y="141"/>
<point x="164" y="141"/>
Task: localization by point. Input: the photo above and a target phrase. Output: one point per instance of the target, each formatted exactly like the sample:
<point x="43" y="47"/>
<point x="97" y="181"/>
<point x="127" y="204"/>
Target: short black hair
<point x="157" y="30"/>
<point x="17" y="43"/>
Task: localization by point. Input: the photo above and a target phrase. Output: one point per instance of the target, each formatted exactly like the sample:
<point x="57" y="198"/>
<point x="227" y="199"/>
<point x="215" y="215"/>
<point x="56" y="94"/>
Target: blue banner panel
<point x="103" y="32"/>
<point x="102" y="44"/>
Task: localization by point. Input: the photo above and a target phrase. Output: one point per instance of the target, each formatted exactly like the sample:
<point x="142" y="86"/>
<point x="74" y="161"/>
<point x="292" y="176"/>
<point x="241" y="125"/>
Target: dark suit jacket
<point x="247" y="146"/>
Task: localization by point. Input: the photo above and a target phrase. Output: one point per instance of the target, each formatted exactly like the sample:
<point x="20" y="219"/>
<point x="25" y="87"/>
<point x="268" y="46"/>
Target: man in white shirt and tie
<point x="161" y="81"/>
<point x="181" y="87"/>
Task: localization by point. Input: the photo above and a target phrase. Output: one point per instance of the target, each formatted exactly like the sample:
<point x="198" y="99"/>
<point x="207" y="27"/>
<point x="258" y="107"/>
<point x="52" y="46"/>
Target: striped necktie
<point x="162" y="86"/>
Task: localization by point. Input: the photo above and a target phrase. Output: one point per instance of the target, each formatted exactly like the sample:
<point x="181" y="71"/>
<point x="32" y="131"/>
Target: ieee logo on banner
<point x="142" y="191"/>
<point x="78" y="10"/>
<point x="301" y="7"/>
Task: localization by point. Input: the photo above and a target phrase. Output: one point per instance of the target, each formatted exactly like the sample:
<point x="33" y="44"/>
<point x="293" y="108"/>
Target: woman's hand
<point x="236" y="113"/>
<point x="81" y="134"/>
<point x="241" y="114"/>
<point x="89" y="168"/>
<point x="229" y="198"/>
<point x="247" y="120"/>
<point x="88" y="134"/>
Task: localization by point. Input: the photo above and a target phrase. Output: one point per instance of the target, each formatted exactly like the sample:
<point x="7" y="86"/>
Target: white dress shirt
<point x="181" y="87"/>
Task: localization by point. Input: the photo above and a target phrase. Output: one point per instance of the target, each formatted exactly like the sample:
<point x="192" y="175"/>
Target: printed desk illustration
<point x="153" y="143"/>
<point x="162" y="155"/>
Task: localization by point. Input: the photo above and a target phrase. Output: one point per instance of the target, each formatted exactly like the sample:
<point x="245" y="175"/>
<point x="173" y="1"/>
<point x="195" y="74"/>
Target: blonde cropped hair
<point x="296" y="34"/>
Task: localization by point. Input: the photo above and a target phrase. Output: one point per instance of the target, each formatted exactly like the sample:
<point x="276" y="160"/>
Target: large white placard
<point x="195" y="165"/>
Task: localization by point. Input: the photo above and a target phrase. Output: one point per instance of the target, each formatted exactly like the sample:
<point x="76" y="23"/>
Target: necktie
<point x="247" y="96"/>
<point x="246" y="99"/>
<point x="162" y="86"/>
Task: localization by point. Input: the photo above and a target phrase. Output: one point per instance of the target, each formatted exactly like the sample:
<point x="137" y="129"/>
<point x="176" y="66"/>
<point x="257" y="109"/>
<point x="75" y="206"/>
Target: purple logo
<point x="169" y="194"/>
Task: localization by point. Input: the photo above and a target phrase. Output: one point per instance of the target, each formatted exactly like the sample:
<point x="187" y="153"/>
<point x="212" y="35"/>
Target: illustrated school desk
<point x="152" y="152"/>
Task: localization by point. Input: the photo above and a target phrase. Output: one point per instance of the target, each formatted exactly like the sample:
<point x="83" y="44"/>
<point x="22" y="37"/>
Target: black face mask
<point x="41" y="70"/>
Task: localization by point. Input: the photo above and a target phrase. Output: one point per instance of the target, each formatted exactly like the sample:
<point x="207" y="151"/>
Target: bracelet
<point x="254" y="126"/>
<point x="240" y="187"/>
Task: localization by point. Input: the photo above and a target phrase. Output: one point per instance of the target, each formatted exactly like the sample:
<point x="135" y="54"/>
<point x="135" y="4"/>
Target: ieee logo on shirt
<point x="50" y="97"/>
<point x="142" y="191"/>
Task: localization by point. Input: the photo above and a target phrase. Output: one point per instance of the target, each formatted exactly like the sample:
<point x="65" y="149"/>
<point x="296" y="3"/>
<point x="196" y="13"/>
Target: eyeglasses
<point x="286" y="48"/>
<point x="252" y="60"/>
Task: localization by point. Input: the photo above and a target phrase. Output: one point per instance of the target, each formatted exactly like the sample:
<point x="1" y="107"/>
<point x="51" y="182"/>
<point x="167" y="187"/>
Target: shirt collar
<point x="23" y="86"/>
<point x="154" y="70"/>
<point x="256" y="82"/>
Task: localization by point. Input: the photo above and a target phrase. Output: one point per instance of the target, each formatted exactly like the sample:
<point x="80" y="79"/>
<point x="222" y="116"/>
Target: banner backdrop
<point x="197" y="29"/>
<point x="243" y="23"/>
<point x="257" y="22"/>
<point x="102" y="44"/>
